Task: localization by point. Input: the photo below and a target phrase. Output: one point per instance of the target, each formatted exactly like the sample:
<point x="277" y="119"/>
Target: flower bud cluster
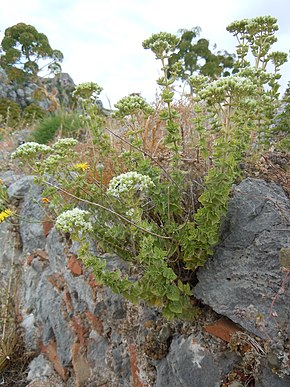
<point x="130" y="181"/>
<point x="87" y="90"/>
<point x="74" y="220"/>
<point x="29" y="149"/>
<point x="161" y="44"/>
<point x="220" y="90"/>
<point x="64" y="143"/>
<point x="131" y="105"/>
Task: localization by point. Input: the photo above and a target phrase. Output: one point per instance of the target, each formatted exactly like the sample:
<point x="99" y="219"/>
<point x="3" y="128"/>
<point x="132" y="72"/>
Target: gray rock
<point x="188" y="364"/>
<point x="31" y="217"/>
<point x="39" y="367"/>
<point x="20" y="93"/>
<point x="9" y="177"/>
<point x="82" y="295"/>
<point x="52" y="316"/>
<point x="268" y="378"/>
<point x="10" y="250"/>
<point x="55" y="248"/>
<point x="20" y="188"/>
<point x="243" y="277"/>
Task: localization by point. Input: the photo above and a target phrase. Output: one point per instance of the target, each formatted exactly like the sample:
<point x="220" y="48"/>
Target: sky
<point x="101" y="40"/>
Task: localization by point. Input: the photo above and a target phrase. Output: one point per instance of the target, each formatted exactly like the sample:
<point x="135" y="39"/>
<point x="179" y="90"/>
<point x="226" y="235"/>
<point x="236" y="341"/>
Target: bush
<point x="32" y="113"/>
<point x="152" y="213"/>
<point x="10" y="112"/>
<point x="63" y="123"/>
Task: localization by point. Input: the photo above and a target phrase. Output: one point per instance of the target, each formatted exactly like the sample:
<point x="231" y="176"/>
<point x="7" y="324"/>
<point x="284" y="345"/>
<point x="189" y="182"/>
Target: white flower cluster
<point x="74" y="220"/>
<point x="221" y="89"/>
<point x="30" y="149"/>
<point x="64" y="143"/>
<point x="129" y="181"/>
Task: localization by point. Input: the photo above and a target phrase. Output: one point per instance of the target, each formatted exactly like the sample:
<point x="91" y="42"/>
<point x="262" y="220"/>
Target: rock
<point x="83" y="328"/>
<point x="243" y="278"/>
<point x="20" y="188"/>
<point x="39" y="367"/>
<point x="189" y="364"/>
<point x="24" y="94"/>
<point x="268" y="378"/>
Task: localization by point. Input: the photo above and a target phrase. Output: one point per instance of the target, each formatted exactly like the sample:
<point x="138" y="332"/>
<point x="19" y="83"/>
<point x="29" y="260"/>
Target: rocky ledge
<point x="84" y="335"/>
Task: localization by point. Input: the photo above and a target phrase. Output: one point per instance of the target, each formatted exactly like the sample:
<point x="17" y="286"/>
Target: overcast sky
<point x="102" y="39"/>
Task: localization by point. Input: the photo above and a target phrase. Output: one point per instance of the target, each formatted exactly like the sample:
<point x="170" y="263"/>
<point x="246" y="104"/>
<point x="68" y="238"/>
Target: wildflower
<point x="1" y="181"/>
<point x="30" y="149"/>
<point x="82" y="166"/>
<point x="131" y="105"/>
<point x="5" y="214"/>
<point x="161" y="43"/>
<point x="87" y="90"/>
<point x="64" y="143"/>
<point x="130" y="212"/>
<point x="130" y="181"/>
<point x="73" y="221"/>
<point x="45" y="200"/>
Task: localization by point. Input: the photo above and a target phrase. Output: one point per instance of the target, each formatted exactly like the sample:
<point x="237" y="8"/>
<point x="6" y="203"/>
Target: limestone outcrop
<point x="84" y="335"/>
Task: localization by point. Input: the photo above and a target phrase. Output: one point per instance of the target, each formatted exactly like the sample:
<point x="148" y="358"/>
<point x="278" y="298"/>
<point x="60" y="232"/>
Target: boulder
<point x="244" y="279"/>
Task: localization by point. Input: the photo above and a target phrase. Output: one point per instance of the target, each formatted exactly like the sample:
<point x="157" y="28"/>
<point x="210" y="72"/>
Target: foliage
<point x="32" y="113"/>
<point x="255" y="37"/>
<point x="151" y="213"/>
<point x="10" y="112"/>
<point x="281" y="126"/>
<point x="60" y="122"/>
<point x="24" y="50"/>
<point x="196" y="57"/>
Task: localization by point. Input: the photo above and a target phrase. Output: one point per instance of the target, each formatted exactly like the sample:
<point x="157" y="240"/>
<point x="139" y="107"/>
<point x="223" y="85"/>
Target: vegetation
<point x="156" y="193"/>
<point x="10" y="112"/>
<point x="24" y="48"/>
<point x="195" y="56"/>
<point x="32" y="113"/>
<point x="281" y="127"/>
<point x="60" y="122"/>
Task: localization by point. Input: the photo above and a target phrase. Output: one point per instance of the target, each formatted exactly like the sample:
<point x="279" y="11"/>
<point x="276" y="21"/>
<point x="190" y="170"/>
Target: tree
<point x="196" y="57"/>
<point x="24" y="49"/>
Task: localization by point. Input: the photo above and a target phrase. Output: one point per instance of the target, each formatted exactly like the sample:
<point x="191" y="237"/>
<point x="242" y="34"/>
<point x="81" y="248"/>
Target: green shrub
<point x="32" y="113"/>
<point x="152" y="213"/>
<point x="281" y="127"/>
<point x="64" y="123"/>
<point x="10" y="112"/>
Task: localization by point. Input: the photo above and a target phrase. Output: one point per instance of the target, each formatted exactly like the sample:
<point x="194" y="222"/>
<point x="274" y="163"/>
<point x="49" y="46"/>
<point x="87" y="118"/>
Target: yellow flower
<point x="82" y="166"/>
<point x="5" y="214"/>
<point x="45" y="200"/>
<point x="1" y="181"/>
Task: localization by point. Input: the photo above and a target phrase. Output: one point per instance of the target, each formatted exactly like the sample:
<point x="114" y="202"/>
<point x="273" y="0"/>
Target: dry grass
<point x="13" y="357"/>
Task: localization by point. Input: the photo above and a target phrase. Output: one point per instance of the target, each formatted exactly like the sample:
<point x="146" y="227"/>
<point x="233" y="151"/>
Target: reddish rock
<point x="96" y="322"/>
<point x="47" y="226"/>
<point x="40" y="254"/>
<point x="92" y="282"/>
<point x="223" y="328"/>
<point x="68" y="301"/>
<point x="80" y="329"/>
<point x="75" y="265"/>
<point x="57" y="281"/>
<point x="80" y="365"/>
<point x="137" y="382"/>
<point x="50" y="350"/>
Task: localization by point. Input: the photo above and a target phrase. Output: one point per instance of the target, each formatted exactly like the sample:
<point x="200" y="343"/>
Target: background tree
<point x="195" y="56"/>
<point x="25" y="52"/>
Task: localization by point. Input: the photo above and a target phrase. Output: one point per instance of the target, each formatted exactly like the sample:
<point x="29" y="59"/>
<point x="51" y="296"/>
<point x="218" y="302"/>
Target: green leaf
<point x="172" y="293"/>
